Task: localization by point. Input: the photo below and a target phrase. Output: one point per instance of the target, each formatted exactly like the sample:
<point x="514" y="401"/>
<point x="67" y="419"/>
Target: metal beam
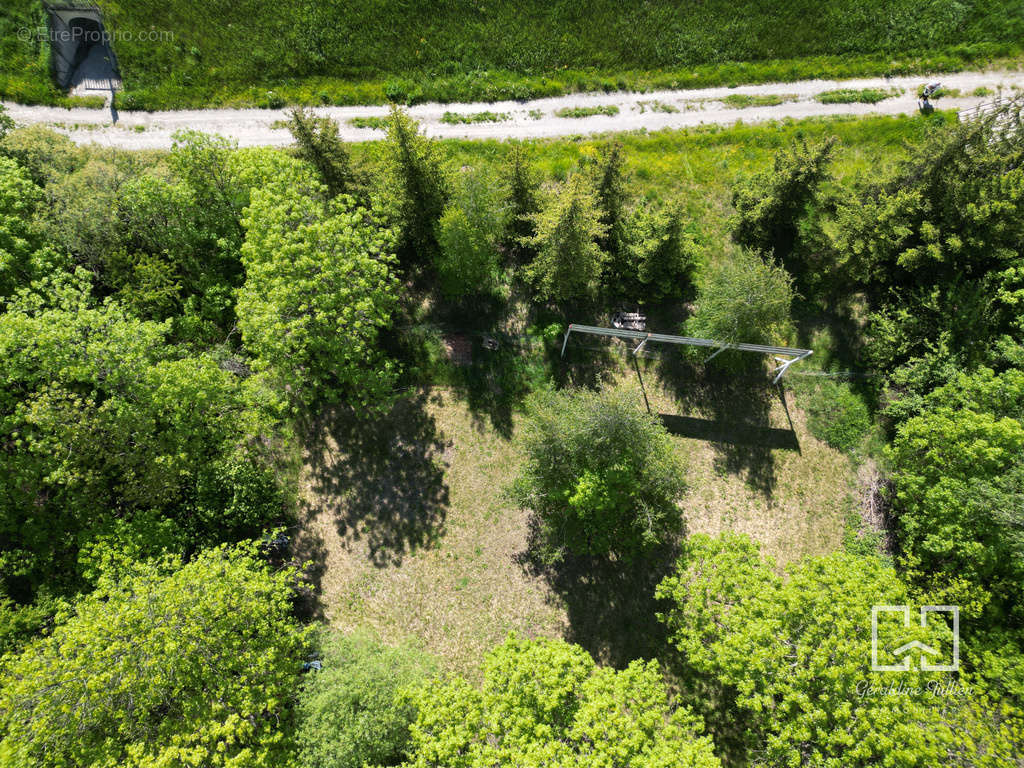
<point x="643" y="337"/>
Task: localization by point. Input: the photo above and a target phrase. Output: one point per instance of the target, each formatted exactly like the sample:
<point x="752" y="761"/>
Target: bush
<point x="745" y="299"/>
<point x="601" y="474"/>
<point x="355" y="711"/>
<point x="837" y="415"/>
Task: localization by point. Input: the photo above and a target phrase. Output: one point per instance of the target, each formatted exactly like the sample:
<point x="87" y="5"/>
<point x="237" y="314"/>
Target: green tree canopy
<point x="415" y="186"/>
<point x="796" y="651"/>
<point x="470" y="233"/>
<point x="771" y="203"/>
<point x="569" y="260"/>
<point x="743" y="299"/>
<point x="601" y="474"/>
<point x="357" y="710"/>
<point x="319" y="287"/>
<point x="545" y="702"/>
<point x="938" y="243"/>
<point x="164" y="665"/>
<point x="958" y="469"/>
<point x="319" y="144"/>
<point x="109" y="435"/>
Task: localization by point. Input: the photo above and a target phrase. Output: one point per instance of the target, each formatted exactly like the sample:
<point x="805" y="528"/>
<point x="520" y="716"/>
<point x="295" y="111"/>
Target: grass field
<point x="341" y="52"/>
<point x="418" y="540"/>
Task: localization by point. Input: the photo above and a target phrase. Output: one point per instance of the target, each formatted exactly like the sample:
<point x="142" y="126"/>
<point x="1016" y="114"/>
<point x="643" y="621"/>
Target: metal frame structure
<point x="794" y="355"/>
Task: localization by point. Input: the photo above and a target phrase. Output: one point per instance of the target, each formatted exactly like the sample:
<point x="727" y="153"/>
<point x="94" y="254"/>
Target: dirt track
<point x="532" y="119"/>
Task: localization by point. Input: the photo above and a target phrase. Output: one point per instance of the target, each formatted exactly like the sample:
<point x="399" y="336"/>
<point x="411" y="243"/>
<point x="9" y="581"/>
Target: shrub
<point x="355" y="711"/>
<point x="163" y="661"/>
<point x="837" y="415"/>
<point x="744" y="299"/>
<point x="601" y="475"/>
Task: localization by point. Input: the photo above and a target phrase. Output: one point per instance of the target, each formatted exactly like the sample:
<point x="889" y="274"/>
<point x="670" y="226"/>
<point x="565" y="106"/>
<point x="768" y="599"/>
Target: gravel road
<point x="530" y="119"/>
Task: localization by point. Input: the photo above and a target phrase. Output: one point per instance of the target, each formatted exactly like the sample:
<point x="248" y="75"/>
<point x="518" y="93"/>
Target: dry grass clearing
<point x="415" y="538"/>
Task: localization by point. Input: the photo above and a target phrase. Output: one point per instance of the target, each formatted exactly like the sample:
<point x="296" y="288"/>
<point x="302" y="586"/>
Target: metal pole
<point x="566" y="340"/>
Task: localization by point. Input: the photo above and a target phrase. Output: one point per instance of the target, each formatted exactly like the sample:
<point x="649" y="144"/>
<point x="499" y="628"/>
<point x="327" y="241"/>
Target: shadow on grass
<point x="381" y="478"/>
<point x="610" y="603"/>
<point x="734" y="415"/>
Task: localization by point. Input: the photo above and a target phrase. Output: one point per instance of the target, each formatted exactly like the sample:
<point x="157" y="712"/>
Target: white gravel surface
<point x="530" y="119"/>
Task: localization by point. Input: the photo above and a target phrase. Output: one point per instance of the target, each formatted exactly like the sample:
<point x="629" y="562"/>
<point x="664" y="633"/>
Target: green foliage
<point x="164" y="664"/>
<point x="22" y="254"/>
<point x="959" y="478"/>
<point x="836" y="414"/>
<point x="356" y="710"/>
<point x="601" y="475"/>
<point x="545" y="702"/>
<point x="45" y="154"/>
<point x="771" y="204"/>
<point x="320" y="145"/>
<point x="319" y="287"/>
<point x="569" y="260"/>
<point x="609" y="110"/>
<point x="470" y="233"/>
<point x="937" y="243"/>
<point x="6" y="123"/>
<point x="523" y="201"/>
<point x="796" y="651"/>
<point x="855" y="96"/>
<point x="416" y="186"/>
<point x="663" y="253"/>
<point x="113" y="439"/>
<point x="745" y="299"/>
<point x="457" y="118"/>
<point x="745" y="100"/>
<point x="613" y="200"/>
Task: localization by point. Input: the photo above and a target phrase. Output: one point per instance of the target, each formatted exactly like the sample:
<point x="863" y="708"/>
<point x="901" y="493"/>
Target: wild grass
<point x="856" y="96"/>
<point x="470" y="584"/>
<point x="744" y="100"/>
<point x="577" y="112"/>
<point x="657" y="106"/>
<point x="456" y="118"/>
<point x="377" y="123"/>
<point x="337" y="52"/>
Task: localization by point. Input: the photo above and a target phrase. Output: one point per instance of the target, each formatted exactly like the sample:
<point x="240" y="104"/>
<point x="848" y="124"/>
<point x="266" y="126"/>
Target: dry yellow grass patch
<point x="452" y="579"/>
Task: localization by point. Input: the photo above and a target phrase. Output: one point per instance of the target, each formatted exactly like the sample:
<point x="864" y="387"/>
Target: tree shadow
<point x="381" y="477"/>
<point x="610" y="603"/>
<point x="734" y="407"/>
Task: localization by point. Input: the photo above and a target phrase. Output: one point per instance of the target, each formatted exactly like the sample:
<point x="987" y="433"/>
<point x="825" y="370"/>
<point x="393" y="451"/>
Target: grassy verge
<point x="499" y="85"/>
<point x="191" y="53"/>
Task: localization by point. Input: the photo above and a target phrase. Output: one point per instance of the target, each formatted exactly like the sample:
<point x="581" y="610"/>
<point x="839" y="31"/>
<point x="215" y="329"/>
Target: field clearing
<point x="426" y="546"/>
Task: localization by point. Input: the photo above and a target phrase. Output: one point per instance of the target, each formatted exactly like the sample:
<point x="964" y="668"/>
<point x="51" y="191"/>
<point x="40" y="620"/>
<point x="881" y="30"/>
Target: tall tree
<point x="545" y="702"/>
<point x="416" y="188"/>
<point x="770" y="204"/>
<point x="163" y="664"/>
<point x="319" y="287"/>
<point x="795" y="651"/>
<point x="569" y="260"/>
<point x="523" y="201"/>
<point x="320" y="145"/>
<point x="744" y="299"/>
